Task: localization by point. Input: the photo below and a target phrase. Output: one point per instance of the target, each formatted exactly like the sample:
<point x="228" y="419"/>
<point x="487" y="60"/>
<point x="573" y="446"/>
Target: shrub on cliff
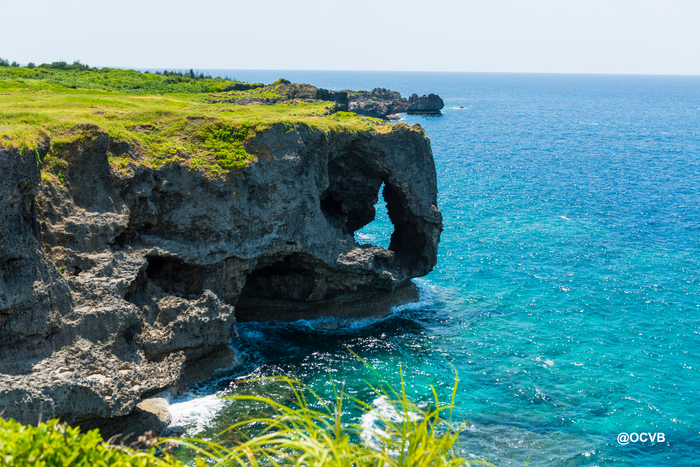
<point x="76" y="65"/>
<point x="53" y="444"/>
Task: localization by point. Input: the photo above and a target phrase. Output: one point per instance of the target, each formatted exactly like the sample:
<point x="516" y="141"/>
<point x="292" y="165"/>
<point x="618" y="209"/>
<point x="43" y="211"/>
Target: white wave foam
<point x="372" y="421"/>
<point x="195" y="413"/>
<point x="427" y="297"/>
<point x="329" y="323"/>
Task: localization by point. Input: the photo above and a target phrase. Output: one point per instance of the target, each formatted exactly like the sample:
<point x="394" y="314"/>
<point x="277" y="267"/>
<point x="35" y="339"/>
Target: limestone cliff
<point x="118" y="284"/>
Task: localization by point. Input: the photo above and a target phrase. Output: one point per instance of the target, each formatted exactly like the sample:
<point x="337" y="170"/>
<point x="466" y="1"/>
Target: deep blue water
<point x="567" y="290"/>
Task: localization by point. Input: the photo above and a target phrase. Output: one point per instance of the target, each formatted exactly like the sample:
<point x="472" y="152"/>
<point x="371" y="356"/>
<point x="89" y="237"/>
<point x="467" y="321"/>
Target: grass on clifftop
<point x="170" y="118"/>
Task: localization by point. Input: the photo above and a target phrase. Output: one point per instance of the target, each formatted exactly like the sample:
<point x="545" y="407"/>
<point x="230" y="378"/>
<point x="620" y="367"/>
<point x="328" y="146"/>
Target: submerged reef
<point x="125" y="266"/>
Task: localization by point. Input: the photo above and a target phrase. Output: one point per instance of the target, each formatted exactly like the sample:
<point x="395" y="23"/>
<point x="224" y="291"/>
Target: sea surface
<point x="567" y="291"/>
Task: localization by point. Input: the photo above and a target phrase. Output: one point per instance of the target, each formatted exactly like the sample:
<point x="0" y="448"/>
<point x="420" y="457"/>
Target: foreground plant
<point x="297" y="434"/>
<point x="53" y="444"/>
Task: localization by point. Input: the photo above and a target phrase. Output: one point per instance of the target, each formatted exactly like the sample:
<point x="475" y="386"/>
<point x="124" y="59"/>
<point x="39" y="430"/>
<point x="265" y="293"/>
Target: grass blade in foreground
<point x="302" y="436"/>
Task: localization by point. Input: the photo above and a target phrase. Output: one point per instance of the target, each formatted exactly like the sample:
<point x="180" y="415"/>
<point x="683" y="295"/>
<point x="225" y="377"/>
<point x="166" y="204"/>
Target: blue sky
<point x="564" y="36"/>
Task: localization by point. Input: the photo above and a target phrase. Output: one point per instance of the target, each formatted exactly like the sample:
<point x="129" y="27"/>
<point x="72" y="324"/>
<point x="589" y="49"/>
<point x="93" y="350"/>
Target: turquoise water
<point x="567" y="290"/>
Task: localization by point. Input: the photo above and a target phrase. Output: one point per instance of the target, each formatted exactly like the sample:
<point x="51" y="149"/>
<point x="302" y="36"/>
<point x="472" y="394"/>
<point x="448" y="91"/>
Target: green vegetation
<point x="81" y="76"/>
<point x="52" y="444"/>
<point x="291" y="432"/>
<point x="170" y="117"/>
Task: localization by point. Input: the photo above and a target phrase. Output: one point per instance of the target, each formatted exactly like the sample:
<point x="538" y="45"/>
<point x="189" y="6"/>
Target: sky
<point x="542" y="36"/>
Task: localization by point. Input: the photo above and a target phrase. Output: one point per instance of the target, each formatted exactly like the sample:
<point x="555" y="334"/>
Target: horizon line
<point x="606" y="73"/>
<point x="408" y="71"/>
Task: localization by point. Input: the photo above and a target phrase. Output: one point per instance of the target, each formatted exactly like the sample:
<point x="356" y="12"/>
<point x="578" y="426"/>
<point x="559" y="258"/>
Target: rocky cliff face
<point x="117" y="285"/>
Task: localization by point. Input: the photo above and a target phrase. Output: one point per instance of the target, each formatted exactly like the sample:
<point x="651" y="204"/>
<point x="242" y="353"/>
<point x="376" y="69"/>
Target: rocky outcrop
<point x="382" y="103"/>
<point x="378" y="103"/>
<point x="284" y="91"/>
<point x="425" y="105"/>
<point x="119" y="284"/>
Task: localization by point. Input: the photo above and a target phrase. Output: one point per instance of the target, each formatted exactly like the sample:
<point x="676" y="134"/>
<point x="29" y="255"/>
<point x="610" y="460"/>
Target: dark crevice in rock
<point x="131" y="236"/>
<point x="291" y="285"/>
<point x="29" y="218"/>
<point x="123" y="239"/>
<point x="175" y="276"/>
<point x="129" y="335"/>
<point x="288" y="279"/>
<point x="136" y="289"/>
<point x="333" y="210"/>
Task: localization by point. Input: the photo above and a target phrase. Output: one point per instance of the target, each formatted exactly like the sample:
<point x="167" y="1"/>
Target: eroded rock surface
<point x="116" y="286"/>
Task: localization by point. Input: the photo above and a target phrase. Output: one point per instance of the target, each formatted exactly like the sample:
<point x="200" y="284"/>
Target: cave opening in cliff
<point x="275" y="287"/>
<point x="353" y="205"/>
<point x="378" y="232"/>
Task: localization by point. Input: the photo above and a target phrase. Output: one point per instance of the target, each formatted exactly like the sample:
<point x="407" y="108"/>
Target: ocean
<point x="566" y="298"/>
